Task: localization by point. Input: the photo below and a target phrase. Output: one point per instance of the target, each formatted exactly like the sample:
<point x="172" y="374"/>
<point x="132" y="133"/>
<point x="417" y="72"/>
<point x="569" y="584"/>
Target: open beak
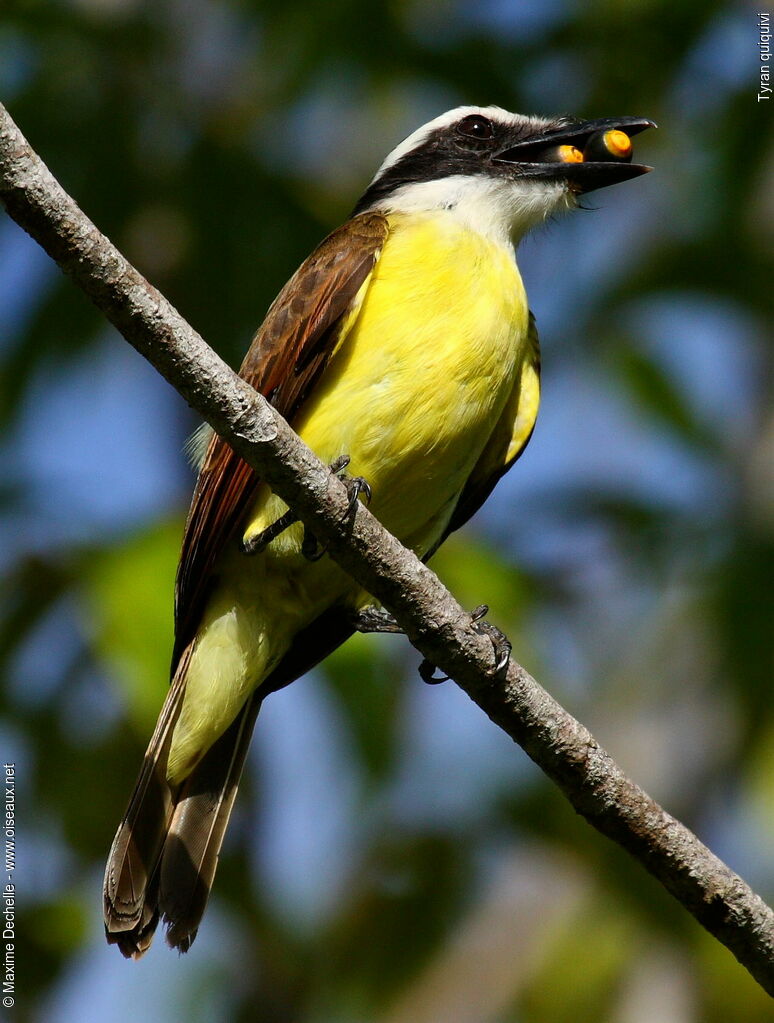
<point x="588" y="154"/>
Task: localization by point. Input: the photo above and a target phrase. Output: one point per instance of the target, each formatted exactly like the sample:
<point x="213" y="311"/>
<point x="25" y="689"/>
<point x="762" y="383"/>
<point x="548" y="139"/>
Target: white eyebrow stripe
<point x="443" y="121"/>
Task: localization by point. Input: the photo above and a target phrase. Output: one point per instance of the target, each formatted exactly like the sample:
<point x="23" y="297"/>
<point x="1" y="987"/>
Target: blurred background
<point x="394" y="858"/>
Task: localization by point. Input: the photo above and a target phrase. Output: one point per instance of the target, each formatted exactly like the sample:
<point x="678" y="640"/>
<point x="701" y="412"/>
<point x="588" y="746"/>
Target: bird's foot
<point x="376" y="619"/>
<point x="356" y="485"/>
<point x="500" y="644"/>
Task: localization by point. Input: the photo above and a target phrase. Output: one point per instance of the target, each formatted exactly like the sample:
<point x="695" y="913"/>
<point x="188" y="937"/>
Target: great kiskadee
<point x="404" y="342"/>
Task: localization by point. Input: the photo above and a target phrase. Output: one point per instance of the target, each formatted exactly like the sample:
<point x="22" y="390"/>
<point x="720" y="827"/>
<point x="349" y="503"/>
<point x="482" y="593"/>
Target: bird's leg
<point x="258" y="543"/>
<point x="355" y="485"/>
<point x="376" y="619"/>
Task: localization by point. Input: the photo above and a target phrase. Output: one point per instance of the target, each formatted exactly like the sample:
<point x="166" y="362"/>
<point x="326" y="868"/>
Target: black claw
<point x="500" y="643"/>
<point x="427" y="674"/>
<point x="356" y="485"/>
<point x="310" y="548"/>
<point x="338" y="464"/>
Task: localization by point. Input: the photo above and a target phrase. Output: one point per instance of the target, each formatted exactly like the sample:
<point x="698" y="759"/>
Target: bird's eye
<point x="474" y="126"/>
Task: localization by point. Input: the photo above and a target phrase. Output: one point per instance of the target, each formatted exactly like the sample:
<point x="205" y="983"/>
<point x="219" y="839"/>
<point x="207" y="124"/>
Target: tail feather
<point x="130" y="914"/>
<point x="165" y="853"/>
<point x="190" y="855"/>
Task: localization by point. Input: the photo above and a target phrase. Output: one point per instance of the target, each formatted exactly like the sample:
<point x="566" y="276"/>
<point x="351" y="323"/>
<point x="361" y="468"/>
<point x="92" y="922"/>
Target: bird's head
<point x="503" y="172"/>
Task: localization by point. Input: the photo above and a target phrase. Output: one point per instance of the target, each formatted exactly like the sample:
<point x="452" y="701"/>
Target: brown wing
<point x="285" y="358"/>
<point x="510" y="437"/>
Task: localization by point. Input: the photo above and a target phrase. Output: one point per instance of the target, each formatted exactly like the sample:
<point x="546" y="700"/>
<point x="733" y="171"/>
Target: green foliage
<point x="127" y="600"/>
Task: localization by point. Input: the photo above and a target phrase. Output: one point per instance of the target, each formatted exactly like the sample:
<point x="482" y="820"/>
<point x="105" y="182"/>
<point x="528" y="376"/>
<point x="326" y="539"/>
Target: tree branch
<point x="434" y="622"/>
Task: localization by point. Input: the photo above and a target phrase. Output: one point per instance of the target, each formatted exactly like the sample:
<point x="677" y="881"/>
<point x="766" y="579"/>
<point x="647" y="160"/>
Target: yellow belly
<point x="412" y="395"/>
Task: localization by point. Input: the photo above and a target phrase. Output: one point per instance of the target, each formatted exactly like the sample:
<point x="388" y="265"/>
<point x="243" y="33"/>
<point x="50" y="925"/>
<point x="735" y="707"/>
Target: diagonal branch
<point x="434" y="622"/>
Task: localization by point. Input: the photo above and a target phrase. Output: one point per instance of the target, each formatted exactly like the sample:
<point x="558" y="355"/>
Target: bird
<point x="403" y="350"/>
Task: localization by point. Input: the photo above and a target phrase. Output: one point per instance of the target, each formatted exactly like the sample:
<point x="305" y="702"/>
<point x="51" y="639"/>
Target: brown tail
<point x="190" y="855"/>
<point x="165" y="853"/>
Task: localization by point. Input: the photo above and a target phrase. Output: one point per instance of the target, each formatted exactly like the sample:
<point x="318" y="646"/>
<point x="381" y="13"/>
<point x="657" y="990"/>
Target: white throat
<point x="500" y="209"/>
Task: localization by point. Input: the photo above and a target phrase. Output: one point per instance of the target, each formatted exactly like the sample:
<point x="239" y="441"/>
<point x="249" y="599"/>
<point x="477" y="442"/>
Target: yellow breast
<point x="424" y="372"/>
